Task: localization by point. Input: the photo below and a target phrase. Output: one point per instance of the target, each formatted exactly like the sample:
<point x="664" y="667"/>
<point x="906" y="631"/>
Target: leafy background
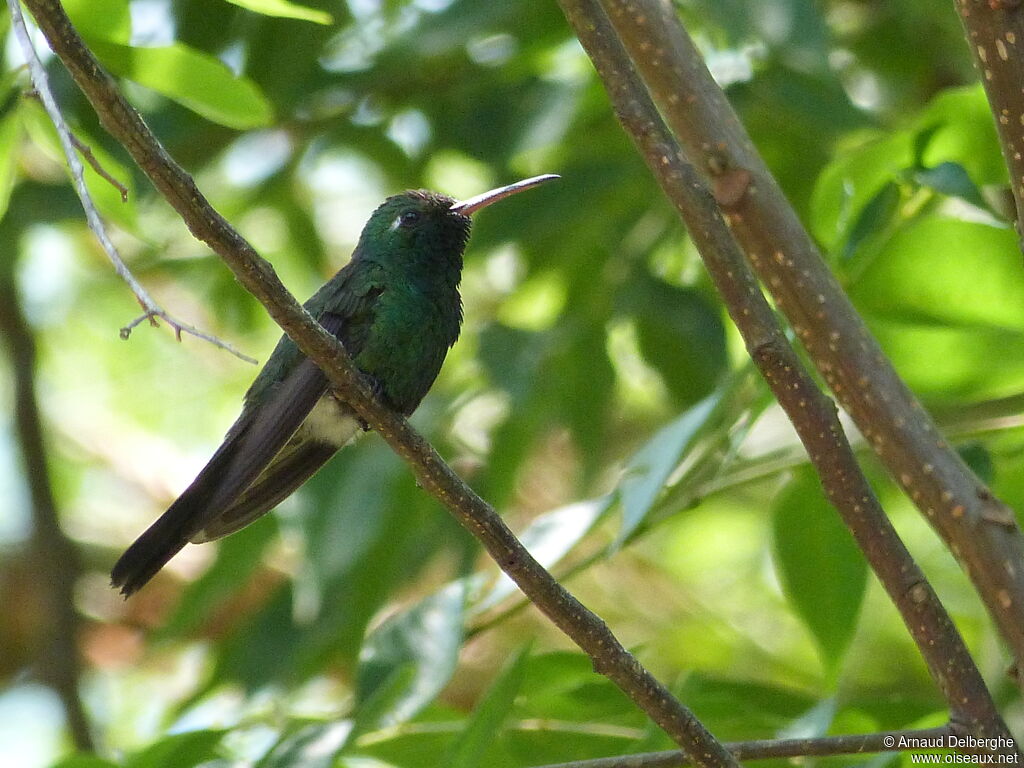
<point x="599" y="397"/>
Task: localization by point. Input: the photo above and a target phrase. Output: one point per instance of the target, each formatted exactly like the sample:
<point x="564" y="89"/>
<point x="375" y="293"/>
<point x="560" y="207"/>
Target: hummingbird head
<point x="416" y="227"/>
<point x="425" y="228"/>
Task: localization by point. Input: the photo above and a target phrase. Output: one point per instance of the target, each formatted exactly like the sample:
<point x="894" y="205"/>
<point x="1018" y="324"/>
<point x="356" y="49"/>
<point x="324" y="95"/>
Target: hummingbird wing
<point x="219" y="500"/>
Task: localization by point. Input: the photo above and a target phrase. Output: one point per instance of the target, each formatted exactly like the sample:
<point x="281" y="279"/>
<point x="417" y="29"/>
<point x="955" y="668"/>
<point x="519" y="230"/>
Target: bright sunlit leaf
<point x="191" y="78"/>
<point x="285" y="9"/>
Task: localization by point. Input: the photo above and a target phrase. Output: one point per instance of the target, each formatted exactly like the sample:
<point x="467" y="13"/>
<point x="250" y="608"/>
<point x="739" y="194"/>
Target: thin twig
<point x="978" y="528"/>
<point x="57" y="660"/>
<point x="90" y="158"/>
<point x="587" y="630"/>
<point x="767" y="749"/>
<point x="813" y="414"/>
<point x="68" y="143"/>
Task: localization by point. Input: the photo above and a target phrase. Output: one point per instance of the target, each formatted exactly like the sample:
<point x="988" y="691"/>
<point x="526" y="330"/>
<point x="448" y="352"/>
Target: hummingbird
<point x="396" y="309"/>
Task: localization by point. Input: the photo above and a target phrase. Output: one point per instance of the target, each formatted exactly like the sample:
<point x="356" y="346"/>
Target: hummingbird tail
<point x="151" y="551"/>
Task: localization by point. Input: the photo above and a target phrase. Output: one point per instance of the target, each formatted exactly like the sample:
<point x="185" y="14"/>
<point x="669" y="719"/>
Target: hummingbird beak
<point x="475" y="203"/>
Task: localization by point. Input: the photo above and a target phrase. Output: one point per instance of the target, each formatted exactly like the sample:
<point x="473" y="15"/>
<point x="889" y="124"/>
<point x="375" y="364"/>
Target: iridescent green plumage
<point x="396" y="309"/>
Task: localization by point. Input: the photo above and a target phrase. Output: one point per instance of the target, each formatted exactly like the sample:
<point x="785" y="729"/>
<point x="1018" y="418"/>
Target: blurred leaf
<point x="488" y="716"/>
<point x="427" y="638"/>
<point x="586" y="380"/>
<point x="951" y="179"/>
<point x="562" y="685"/>
<point x="649" y="468"/>
<point x="312" y="746"/>
<point x="549" y="538"/>
<point x="920" y="276"/>
<point x="285" y="10"/>
<point x="742" y="709"/>
<point x="10" y="135"/>
<point x="237" y="555"/>
<point x="873" y="219"/>
<point x="822" y="571"/>
<point x="191" y="78"/>
<point x="84" y="761"/>
<point x="104" y="19"/>
<point x="979" y="459"/>
<point x="181" y="750"/>
<point x="961" y="130"/>
<point x="851" y="181"/>
<point x="680" y="334"/>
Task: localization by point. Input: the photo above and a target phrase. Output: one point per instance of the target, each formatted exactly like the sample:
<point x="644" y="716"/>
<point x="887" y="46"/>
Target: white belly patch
<point x="330" y="422"/>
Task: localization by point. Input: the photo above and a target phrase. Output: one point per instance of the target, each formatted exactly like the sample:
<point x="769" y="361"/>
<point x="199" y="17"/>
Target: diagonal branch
<point x="769" y="749"/>
<point x="586" y="629"/>
<point x="977" y="527"/>
<point x="812" y="413"/>
<point x="69" y="144"/>
<point x="995" y="35"/>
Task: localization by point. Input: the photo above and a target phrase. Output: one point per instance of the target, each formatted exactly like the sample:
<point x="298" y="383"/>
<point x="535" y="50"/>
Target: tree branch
<point x="813" y="414"/>
<point x="980" y="530"/>
<point x="768" y="749"/>
<point x="69" y="144"/>
<point x="995" y="35"/>
<point x="55" y="556"/>
<point x="586" y="629"/>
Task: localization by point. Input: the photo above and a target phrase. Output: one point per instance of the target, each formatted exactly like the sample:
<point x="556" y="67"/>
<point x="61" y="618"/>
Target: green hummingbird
<point x="396" y="308"/>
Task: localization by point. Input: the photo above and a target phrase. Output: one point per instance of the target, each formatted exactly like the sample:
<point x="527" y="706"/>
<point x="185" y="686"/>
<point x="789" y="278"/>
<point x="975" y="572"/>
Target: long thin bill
<point x="475" y="203"/>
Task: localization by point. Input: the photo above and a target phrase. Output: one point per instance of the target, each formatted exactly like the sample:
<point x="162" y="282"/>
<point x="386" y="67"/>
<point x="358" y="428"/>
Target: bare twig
<point x="90" y="158"/>
<point x="977" y="527"/>
<point x="608" y="655"/>
<point x="69" y="143"/>
<point x="767" y="749"/>
<point x="813" y="414"/>
<point x="995" y="35"/>
<point x="55" y="556"/>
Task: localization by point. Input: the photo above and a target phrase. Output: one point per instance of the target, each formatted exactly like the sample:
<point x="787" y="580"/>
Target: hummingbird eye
<point x="408" y="218"/>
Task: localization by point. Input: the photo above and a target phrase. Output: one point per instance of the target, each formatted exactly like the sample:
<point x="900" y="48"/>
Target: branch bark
<point x="812" y="413"/>
<point x="994" y="30"/>
<point x="55" y="556"/>
<point x="858" y="744"/>
<point x="575" y="620"/>
<point x="979" y="529"/>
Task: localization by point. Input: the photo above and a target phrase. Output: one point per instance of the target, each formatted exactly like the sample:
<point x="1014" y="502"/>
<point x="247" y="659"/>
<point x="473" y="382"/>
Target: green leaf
<point x="951" y="179"/>
<point x="873" y="219"/>
<point x="851" y="181"/>
<point x="285" y="10"/>
<point x="743" y="708"/>
<point x="427" y="637"/>
<point x="680" y="333"/>
<point x="960" y="129"/>
<point x="649" y="468"/>
<point x="103" y="19"/>
<point x="946" y="271"/>
<point x="488" y="716"/>
<point x="822" y="572"/>
<point x="562" y="685"/>
<point x="311" y="746"/>
<point x="84" y="761"/>
<point x="181" y="750"/>
<point x="10" y="135"/>
<point x="193" y="79"/>
<point x="549" y="538"/>
<point x="979" y="459"/>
